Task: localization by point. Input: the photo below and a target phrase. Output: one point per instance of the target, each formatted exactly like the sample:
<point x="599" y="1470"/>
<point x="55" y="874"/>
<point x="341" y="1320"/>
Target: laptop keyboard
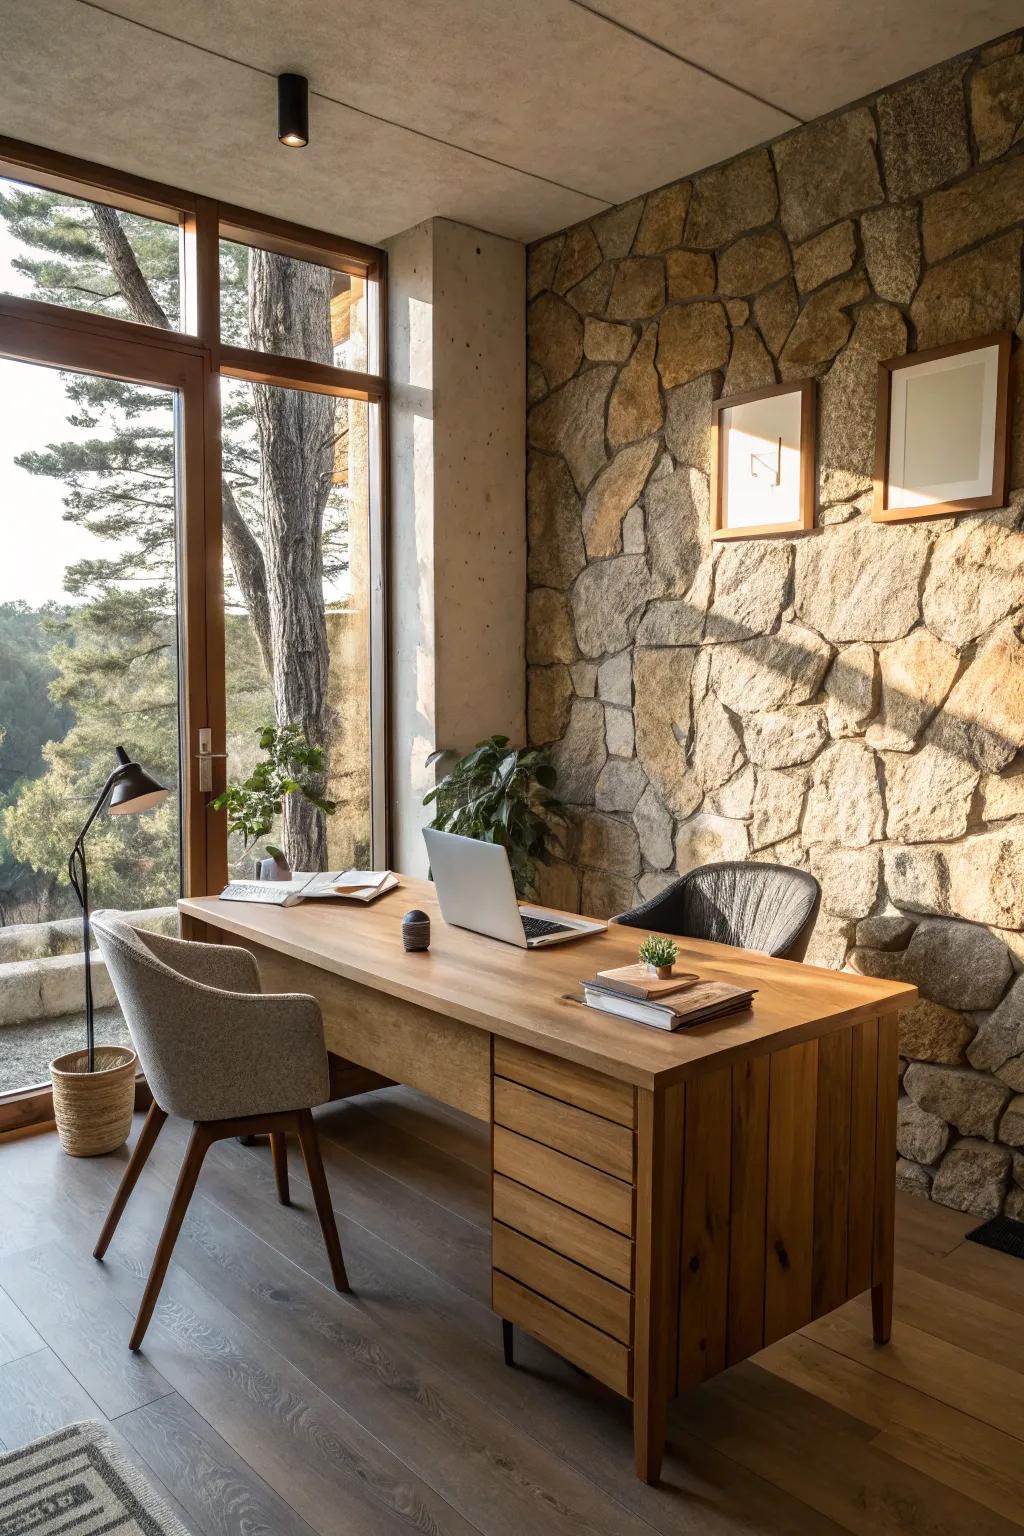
<point x="540" y="927"/>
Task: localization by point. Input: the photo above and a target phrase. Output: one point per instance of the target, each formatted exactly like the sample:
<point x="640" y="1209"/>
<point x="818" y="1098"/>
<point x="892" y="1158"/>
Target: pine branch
<point x="250" y="570"/>
<point x="91" y="293"/>
<point x="127" y="272"/>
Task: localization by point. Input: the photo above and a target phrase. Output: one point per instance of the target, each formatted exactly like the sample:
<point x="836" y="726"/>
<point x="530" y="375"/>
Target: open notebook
<point x="363" y="885"/>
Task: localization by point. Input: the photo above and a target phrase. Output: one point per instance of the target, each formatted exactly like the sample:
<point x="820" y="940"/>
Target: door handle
<point x="206" y="755"/>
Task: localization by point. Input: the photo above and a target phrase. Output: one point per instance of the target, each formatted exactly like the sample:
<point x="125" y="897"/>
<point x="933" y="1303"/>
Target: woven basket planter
<point x="93" y="1110"/>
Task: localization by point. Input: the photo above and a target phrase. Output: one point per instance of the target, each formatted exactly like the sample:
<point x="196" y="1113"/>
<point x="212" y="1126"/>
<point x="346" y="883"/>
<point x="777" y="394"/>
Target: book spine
<point x="604" y="1002"/>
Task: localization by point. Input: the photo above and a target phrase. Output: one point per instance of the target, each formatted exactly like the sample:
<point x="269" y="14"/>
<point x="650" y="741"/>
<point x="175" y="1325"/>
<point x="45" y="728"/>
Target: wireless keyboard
<point x="268" y="893"/>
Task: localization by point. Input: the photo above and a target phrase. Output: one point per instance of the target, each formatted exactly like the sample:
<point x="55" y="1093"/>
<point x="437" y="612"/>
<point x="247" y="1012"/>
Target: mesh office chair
<point x="767" y="907"/>
<point x="218" y="1052"/>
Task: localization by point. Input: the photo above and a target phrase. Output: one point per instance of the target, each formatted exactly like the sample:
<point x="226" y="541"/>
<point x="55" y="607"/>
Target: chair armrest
<point x="663" y="913"/>
<point x="214" y="965"/>
<point x="231" y="1054"/>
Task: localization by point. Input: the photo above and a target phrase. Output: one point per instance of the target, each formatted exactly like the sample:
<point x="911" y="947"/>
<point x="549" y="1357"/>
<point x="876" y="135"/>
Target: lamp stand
<point x="78" y="874"/>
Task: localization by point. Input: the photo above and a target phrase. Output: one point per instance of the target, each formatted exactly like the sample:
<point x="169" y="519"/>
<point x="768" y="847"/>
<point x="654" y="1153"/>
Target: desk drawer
<point x="559" y="1079"/>
<point x="588" y="1190"/>
<point x="578" y="1238"/>
<point x="573" y="1288"/>
<point x="600" y="1143"/>
<point x="593" y="1351"/>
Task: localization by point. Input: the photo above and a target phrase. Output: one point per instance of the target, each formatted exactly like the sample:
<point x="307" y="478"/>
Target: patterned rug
<point x="77" y="1482"/>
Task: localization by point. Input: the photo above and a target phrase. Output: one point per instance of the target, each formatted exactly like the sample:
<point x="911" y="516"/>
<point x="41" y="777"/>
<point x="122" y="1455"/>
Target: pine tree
<point x="29" y="718"/>
<point x="279" y="514"/>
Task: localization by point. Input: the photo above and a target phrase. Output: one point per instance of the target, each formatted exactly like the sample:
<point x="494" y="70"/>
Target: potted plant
<point x="500" y="794"/>
<point x="661" y="954"/>
<point x="290" y="766"/>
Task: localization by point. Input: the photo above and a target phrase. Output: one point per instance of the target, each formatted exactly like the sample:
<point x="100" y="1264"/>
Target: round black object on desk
<point x="416" y="930"/>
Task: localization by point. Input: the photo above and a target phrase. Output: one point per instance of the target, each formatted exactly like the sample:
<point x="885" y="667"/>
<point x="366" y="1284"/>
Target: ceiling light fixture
<point x="293" y="110"/>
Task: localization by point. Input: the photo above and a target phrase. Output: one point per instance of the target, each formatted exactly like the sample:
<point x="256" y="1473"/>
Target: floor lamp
<point x="130" y="790"/>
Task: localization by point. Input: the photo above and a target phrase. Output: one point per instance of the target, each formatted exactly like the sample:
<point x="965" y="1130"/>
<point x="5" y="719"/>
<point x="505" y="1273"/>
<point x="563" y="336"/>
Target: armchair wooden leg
<point x="198" y="1146"/>
<point x="155" y="1118"/>
<point x="321" y="1196"/>
<point x="508" y="1341"/>
<point x="279" y="1152"/>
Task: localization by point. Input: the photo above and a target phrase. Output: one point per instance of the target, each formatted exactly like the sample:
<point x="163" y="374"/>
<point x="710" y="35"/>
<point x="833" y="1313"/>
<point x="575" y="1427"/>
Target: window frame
<point x="34" y="331"/>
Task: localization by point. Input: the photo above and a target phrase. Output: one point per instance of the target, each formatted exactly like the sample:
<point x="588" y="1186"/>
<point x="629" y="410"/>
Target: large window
<point x="296" y="478"/>
<point x="191" y="507"/>
<point x="89" y="256"/>
<point x="88" y="660"/>
<point x="295" y="308"/>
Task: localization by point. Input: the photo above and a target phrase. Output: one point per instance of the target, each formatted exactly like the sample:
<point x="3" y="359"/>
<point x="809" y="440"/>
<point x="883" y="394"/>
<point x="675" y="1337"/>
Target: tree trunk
<point x="239" y="540"/>
<point x="135" y="290"/>
<point x="282" y="584"/>
<point x="289" y="312"/>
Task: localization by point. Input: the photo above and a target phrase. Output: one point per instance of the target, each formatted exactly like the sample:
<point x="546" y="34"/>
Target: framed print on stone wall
<point x="763" y="470"/>
<point x="942" y="441"/>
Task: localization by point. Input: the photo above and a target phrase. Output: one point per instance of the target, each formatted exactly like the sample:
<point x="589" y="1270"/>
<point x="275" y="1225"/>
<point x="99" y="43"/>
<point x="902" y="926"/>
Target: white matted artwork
<point x="763" y="461"/>
<point x="942" y="439"/>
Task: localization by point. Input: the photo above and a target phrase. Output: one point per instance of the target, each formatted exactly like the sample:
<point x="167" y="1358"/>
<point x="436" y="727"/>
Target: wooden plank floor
<point x="266" y="1403"/>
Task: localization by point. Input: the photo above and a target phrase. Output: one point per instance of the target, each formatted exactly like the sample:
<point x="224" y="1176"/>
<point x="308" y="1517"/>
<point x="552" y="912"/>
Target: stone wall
<point x="851" y="700"/>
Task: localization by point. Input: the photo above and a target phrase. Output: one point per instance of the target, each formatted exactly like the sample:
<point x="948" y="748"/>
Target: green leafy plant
<point x="290" y="767"/>
<point x="658" y="952"/>
<point x="500" y="794"/>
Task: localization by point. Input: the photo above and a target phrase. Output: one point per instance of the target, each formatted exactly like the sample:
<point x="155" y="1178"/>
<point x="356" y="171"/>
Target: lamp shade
<point x="134" y="790"/>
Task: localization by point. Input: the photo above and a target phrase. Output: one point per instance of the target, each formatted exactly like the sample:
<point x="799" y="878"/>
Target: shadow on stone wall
<point x="852" y="700"/>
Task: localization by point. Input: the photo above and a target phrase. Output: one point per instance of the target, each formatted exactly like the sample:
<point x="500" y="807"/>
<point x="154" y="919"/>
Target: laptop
<point x="475" y="891"/>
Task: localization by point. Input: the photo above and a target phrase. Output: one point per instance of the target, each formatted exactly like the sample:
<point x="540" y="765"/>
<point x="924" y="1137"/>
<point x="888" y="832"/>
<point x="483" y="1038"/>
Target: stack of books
<point x="635" y="992"/>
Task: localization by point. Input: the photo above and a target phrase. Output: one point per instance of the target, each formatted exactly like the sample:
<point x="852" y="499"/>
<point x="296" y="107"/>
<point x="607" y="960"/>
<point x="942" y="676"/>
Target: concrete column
<point x="456" y="313"/>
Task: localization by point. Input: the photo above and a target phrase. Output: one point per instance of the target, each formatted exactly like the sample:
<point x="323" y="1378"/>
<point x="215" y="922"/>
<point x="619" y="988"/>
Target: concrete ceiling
<point x="517" y="116"/>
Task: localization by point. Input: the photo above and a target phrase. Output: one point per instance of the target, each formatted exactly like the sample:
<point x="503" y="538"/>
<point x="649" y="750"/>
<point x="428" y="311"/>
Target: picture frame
<point x="764" y="461"/>
<point x="942" y="435"/>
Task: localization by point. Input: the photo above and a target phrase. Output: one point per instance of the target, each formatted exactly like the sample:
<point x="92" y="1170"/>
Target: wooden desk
<point x="663" y="1205"/>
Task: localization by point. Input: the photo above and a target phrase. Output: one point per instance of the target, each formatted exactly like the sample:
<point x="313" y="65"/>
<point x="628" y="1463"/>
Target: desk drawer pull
<point x="581" y="1086"/>
<point x="588" y="1190"/>
<point x="598" y="1248"/>
<point x="576" y="1132"/>
<point x="594" y="1352"/>
<point x="577" y="1290"/>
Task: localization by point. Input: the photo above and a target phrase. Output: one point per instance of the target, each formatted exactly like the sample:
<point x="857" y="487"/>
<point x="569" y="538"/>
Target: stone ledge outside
<point x="45" y="980"/>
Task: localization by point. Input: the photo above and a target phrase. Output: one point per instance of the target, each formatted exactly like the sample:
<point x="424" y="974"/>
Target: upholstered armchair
<point x="219" y="1052"/>
<point x="766" y="907"/>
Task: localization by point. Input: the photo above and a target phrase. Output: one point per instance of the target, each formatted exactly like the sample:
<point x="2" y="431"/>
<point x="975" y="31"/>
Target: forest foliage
<point x="98" y="666"/>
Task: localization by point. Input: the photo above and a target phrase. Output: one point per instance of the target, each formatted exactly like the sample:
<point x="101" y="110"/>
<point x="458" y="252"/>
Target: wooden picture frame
<point x="901" y="503"/>
<point x="802" y="485"/>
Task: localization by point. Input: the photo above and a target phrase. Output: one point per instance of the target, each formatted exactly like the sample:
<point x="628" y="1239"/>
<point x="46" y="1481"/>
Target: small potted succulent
<point x="661" y="954"/>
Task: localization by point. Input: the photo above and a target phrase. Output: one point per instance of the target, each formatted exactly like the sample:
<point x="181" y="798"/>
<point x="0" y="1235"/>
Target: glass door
<point x="94" y="632"/>
<point x="296" y="473"/>
<point x="191" y="480"/>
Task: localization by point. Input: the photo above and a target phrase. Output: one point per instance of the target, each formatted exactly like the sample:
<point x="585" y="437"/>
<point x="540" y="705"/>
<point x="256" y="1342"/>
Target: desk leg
<point x="659" y="1187"/>
<point x="885" y="1179"/>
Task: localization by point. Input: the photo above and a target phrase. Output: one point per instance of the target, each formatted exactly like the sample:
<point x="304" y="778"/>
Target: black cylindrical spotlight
<point x="293" y="110"/>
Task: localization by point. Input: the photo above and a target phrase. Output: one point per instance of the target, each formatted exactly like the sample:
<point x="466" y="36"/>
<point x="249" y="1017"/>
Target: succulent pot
<point x="93" y="1110"/>
<point x="273" y="869"/>
<point x="663" y="972"/>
